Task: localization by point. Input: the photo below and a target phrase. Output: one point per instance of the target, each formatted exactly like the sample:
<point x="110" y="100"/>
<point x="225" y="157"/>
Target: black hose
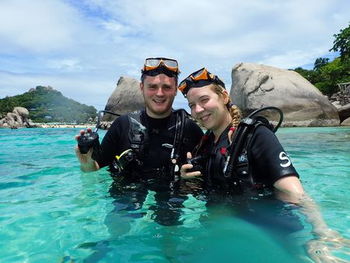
<point x="241" y="135"/>
<point x="99" y="116"/>
<point x="269" y="108"/>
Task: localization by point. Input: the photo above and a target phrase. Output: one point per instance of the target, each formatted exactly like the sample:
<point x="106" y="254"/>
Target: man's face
<point x="159" y="93"/>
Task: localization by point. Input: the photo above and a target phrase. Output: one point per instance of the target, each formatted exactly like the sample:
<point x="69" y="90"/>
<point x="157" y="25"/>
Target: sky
<point x="82" y="47"/>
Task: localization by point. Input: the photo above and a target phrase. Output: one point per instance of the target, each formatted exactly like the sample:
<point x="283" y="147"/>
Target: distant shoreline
<point x="63" y="125"/>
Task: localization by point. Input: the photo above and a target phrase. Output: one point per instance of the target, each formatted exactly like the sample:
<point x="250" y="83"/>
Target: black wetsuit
<point x="262" y="163"/>
<point x="156" y="155"/>
<point x="249" y="189"/>
<point x="130" y="188"/>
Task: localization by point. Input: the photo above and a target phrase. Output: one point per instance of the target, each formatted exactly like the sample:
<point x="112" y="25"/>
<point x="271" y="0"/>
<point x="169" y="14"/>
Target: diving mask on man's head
<point x="156" y="66"/>
<point x="199" y="78"/>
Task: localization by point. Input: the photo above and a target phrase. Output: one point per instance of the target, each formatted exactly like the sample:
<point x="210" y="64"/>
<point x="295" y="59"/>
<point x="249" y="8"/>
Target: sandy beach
<point x="64" y="125"/>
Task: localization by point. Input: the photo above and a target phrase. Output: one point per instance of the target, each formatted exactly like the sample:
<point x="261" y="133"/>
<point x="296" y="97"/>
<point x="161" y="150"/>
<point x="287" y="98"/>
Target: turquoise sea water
<point x="52" y="212"/>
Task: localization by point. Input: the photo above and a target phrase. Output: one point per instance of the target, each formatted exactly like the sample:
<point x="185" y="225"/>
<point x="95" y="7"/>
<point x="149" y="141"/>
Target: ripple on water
<point x="49" y="209"/>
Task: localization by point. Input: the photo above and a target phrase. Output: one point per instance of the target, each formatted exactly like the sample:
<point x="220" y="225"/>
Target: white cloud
<point x="39" y="25"/>
<point x="291" y="59"/>
<point x="89" y="42"/>
<point x="68" y="64"/>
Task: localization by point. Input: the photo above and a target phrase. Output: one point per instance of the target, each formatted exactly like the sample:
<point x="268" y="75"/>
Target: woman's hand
<point x="327" y="241"/>
<point x="185" y="174"/>
<point x="323" y="250"/>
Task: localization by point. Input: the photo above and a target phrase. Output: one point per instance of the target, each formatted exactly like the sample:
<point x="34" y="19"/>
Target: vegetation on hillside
<point x="327" y="74"/>
<point x="48" y="105"/>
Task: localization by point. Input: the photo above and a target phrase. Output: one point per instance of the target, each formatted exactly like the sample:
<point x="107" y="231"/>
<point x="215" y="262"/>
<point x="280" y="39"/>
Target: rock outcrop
<point x="346" y="122"/>
<point x="18" y="118"/>
<point x="126" y="97"/>
<point x="344" y="112"/>
<point x="342" y="97"/>
<point x="255" y="86"/>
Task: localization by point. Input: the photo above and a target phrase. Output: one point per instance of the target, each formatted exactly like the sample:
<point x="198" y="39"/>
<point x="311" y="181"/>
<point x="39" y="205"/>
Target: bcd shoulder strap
<point x="137" y="133"/>
<point x="244" y="133"/>
<point x="241" y="140"/>
<point x="180" y="121"/>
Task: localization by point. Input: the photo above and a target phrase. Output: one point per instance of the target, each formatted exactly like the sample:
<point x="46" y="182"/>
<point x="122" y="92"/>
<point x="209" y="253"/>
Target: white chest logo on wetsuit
<point x="285" y="160"/>
<point x="242" y="158"/>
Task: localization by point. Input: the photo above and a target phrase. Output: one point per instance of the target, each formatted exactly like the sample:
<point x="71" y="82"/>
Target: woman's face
<point x="208" y="108"/>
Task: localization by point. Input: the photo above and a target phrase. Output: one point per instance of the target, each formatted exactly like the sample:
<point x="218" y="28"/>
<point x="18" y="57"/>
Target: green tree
<point x="326" y="75"/>
<point x="342" y="43"/>
<point x="331" y="74"/>
<point x="310" y="75"/>
<point x="320" y="62"/>
<point x="48" y="105"/>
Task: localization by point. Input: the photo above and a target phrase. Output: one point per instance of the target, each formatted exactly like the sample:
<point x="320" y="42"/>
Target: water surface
<point x="52" y="212"/>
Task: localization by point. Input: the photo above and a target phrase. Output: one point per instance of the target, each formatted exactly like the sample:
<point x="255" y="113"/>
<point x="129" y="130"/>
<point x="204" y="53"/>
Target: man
<point x="145" y="149"/>
<point x="159" y="87"/>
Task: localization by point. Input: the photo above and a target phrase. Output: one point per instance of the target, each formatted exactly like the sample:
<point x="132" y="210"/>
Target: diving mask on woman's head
<point x="199" y="79"/>
<point x="155" y="66"/>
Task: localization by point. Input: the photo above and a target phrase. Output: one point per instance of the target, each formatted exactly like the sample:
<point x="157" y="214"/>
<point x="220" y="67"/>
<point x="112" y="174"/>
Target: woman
<point x="269" y="165"/>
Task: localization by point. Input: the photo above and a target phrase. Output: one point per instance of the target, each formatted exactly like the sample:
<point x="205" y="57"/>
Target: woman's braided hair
<point x="234" y="111"/>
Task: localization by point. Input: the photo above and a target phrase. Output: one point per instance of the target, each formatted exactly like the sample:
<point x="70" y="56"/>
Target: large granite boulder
<point x="126" y="97"/>
<point x="16" y="119"/>
<point x="255" y="86"/>
<point x="21" y="111"/>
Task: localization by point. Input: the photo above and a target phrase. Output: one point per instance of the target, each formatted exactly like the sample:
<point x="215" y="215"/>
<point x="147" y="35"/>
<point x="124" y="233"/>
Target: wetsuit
<point x="155" y="157"/>
<point x="130" y="187"/>
<point x="262" y="162"/>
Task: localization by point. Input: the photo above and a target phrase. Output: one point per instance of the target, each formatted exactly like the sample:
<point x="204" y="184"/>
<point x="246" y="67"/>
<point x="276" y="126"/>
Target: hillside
<point x="46" y="104"/>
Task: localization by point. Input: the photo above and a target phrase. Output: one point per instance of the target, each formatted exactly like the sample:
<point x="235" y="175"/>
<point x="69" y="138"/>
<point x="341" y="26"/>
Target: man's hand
<point x="87" y="164"/>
